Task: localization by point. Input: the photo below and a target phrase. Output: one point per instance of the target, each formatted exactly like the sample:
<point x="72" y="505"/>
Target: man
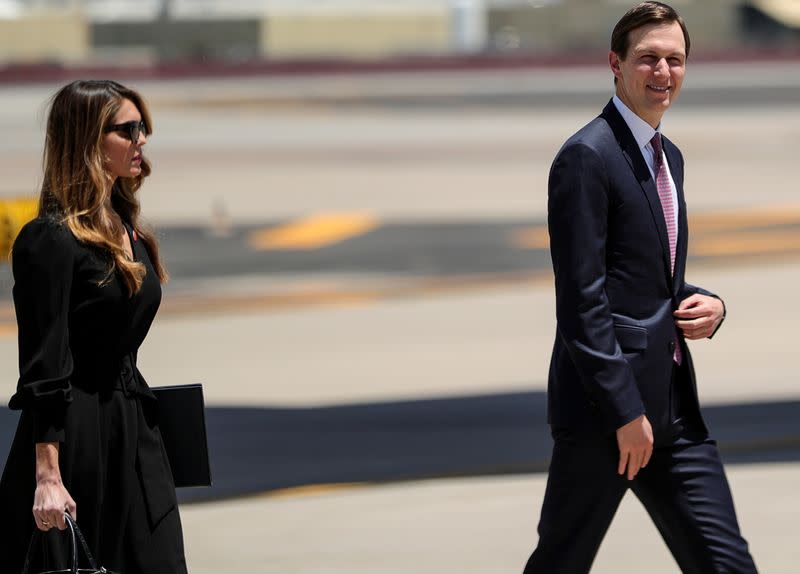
<point x="622" y="398"/>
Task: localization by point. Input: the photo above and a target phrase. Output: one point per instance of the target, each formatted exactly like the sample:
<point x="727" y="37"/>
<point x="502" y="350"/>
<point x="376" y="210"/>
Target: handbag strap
<point x="75" y="536"/>
<point x="76" y="533"/>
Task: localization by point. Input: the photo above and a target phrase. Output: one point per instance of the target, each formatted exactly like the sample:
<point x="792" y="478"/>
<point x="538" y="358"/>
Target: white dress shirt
<point x="643" y="133"/>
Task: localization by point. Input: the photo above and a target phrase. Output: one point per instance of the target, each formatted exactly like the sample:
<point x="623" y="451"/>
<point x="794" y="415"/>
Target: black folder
<point x="182" y="421"/>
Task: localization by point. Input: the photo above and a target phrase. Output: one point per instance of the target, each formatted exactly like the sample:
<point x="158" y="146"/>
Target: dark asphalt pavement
<point x="394" y="250"/>
<point x="396" y="441"/>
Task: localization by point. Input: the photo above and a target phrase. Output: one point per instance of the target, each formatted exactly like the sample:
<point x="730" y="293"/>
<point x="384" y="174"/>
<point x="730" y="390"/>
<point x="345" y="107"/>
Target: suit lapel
<point x="633" y="155"/>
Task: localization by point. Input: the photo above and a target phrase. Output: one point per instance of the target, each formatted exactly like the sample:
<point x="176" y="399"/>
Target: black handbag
<point x="75" y="536"/>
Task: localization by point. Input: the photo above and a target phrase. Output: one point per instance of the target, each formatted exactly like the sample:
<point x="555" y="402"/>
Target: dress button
<point x="672" y="346"/>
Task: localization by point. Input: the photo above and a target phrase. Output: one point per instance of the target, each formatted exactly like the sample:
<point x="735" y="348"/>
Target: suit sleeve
<point x="578" y="210"/>
<point x="42" y="261"/>
<point x="689" y="290"/>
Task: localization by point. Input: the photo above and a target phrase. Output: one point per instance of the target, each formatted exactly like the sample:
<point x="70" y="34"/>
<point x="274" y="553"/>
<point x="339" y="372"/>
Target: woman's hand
<point x="51" y="499"/>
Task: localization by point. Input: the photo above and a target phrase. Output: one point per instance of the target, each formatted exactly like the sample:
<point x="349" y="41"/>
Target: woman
<point x="87" y="284"/>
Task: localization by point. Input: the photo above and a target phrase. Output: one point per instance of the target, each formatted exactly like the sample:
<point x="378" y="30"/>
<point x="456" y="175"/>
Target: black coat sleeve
<point x="43" y="264"/>
<point x="578" y="209"/>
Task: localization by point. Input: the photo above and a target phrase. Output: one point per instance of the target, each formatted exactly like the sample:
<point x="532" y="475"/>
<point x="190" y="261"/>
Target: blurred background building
<point x="152" y="31"/>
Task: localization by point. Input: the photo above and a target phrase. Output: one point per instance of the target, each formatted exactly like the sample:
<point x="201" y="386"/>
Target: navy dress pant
<point x="683" y="489"/>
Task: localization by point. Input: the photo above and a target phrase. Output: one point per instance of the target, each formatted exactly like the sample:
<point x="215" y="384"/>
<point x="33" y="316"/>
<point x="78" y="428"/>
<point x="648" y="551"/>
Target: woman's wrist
<point x="47" y="463"/>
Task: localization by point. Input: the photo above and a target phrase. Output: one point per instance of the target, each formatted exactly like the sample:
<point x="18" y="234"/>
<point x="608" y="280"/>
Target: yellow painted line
<point x="198" y="305"/>
<point x="313" y="232"/>
<point x="699" y="225"/>
<point x="706" y="245"/>
<point x="743" y="218"/>
<point x="332" y="296"/>
<point x="531" y="238"/>
<point x="313" y="490"/>
<point x="747" y="243"/>
<point x="344" y="296"/>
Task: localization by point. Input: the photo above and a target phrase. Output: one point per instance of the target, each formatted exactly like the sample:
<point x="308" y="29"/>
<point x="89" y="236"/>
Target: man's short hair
<point x="642" y="15"/>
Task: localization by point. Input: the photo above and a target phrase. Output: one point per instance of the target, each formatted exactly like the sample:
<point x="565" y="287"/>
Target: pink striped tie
<point x="665" y="195"/>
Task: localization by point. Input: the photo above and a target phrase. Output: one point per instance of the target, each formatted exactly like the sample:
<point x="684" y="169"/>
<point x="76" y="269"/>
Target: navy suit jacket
<point x="615" y="294"/>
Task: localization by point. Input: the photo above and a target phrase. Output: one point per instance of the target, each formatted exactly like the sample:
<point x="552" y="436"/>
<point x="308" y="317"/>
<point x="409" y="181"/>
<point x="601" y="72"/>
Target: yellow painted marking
<point x="313" y="232"/>
<point x="343" y="296"/>
<point x="197" y="305"/>
<point x="14" y="213"/>
<point x="313" y="490"/>
<point x="532" y="238"/>
<point x="747" y="243"/>
<point x="708" y="231"/>
<point x="738" y="219"/>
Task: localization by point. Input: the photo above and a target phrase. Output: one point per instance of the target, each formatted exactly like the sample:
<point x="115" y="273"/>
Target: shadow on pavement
<point x="255" y="450"/>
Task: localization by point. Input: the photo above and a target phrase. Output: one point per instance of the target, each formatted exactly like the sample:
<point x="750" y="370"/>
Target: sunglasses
<point x="131" y="129"/>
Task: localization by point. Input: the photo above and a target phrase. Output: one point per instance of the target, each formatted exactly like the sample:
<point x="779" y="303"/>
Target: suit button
<point x="672" y="346"/>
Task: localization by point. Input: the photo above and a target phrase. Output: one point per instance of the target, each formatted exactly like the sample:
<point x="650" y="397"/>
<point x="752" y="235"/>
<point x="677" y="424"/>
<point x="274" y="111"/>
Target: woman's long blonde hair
<point x="77" y="184"/>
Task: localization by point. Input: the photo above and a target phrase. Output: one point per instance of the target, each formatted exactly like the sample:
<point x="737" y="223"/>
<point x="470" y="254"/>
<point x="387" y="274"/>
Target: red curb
<point x="49" y="72"/>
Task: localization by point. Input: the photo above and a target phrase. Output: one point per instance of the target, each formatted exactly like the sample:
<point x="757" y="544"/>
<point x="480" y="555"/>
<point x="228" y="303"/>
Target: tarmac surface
<point x="407" y="290"/>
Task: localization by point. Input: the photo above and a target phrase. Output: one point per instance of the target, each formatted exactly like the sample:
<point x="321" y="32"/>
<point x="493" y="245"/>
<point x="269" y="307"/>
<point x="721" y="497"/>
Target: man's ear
<point x="613" y="62"/>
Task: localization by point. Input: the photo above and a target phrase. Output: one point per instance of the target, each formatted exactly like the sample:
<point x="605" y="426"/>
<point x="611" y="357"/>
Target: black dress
<point x="79" y="386"/>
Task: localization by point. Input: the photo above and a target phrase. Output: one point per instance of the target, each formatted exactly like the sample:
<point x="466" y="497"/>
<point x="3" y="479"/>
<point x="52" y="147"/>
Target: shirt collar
<point x="641" y="130"/>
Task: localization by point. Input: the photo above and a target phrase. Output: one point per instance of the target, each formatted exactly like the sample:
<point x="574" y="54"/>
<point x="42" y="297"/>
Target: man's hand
<point x="635" y="441"/>
<point x="699" y="316"/>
